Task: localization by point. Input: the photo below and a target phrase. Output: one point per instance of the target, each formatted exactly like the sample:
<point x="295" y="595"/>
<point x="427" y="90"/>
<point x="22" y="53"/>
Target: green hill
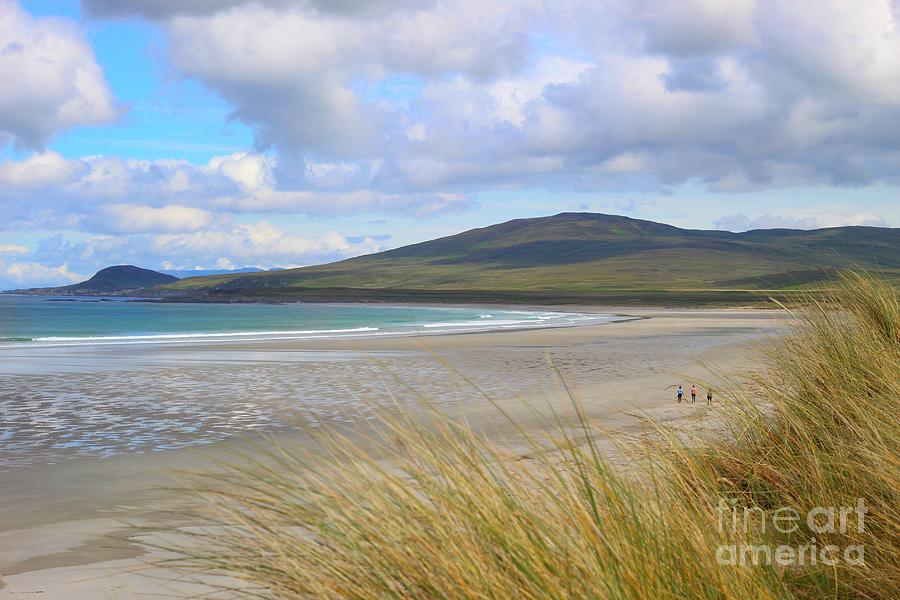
<point x="110" y="280"/>
<point x="578" y="256"/>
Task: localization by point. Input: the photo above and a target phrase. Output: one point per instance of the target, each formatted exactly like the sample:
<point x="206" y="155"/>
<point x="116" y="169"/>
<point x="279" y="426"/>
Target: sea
<point x="69" y="320"/>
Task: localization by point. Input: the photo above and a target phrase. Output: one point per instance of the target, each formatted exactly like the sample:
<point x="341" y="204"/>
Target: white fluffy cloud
<point x="51" y="80"/>
<point x="258" y="243"/>
<point x="691" y="27"/>
<point x="40" y="170"/>
<point x="163" y="9"/>
<point x="741" y="222"/>
<point x="452" y="97"/>
<point x="291" y="73"/>
<point x="742" y="95"/>
<point x="222" y="245"/>
<point x="130" y="218"/>
<point x="114" y="195"/>
<point x="28" y="274"/>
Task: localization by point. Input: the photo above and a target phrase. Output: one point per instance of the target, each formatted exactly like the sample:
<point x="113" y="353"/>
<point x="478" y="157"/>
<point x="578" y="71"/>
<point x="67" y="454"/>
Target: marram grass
<point x="428" y="508"/>
<point x="826" y="432"/>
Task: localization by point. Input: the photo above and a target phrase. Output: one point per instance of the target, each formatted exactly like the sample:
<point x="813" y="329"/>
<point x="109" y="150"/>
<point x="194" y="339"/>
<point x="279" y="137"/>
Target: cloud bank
<point x="741" y="95"/>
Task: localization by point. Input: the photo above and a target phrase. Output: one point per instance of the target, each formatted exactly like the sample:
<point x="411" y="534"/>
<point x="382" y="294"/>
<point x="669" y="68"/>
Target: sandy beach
<point x="72" y="517"/>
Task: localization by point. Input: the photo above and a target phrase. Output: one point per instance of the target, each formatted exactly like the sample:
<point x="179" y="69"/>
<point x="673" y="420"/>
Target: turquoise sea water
<point x="76" y="321"/>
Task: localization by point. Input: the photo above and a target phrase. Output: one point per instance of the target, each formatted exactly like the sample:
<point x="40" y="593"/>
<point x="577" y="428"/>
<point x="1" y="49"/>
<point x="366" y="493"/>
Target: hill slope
<point x="110" y="280"/>
<point x="580" y="254"/>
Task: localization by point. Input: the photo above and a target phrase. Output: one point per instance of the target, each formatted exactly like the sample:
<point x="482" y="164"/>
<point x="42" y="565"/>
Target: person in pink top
<point x="693" y="393"/>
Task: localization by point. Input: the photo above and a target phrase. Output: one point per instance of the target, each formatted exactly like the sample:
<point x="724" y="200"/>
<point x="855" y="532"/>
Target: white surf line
<point x="166" y="336"/>
<point x="364" y="332"/>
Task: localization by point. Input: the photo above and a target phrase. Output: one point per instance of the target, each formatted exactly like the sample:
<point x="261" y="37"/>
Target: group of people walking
<point x="694" y="392"/>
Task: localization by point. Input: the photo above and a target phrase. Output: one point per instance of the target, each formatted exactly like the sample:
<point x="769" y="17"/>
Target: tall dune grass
<point x="827" y="432"/>
<point x="428" y="508"/>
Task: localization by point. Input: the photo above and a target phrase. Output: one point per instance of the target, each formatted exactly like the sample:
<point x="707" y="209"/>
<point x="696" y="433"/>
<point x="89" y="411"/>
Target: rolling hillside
<point x="576" y="255"/>
<point x="119" y="278"/>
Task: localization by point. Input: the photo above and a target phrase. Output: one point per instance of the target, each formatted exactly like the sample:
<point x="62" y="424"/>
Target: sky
<point x="219" y="134"/>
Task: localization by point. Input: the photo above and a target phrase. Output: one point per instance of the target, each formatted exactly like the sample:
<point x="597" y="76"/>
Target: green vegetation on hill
<point x="581" y="254"/>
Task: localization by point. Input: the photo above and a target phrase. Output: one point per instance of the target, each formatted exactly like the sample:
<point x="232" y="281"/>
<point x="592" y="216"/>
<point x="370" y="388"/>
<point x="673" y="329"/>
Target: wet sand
<point x="72" y="529"/>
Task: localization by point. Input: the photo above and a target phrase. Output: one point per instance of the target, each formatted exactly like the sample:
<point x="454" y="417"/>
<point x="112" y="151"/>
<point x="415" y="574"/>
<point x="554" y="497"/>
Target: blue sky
<point x="167" y="116"/>
<point x="281" y="132"/>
